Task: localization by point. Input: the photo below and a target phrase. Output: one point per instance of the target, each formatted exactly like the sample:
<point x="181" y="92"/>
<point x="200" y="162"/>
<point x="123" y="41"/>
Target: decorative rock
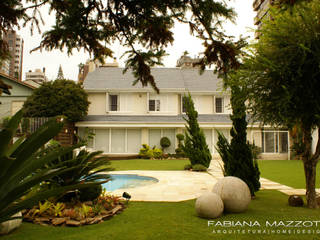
<point x="10" y="225"/>
<point x="295" y="201"/>
<point x="234" y="193"/>
<point x="42" y="219"/>
<point x="73" y="223"/>
<point x="58" y="221"/>
<point x="209" y="205"/>
<point x="116" y="209"/>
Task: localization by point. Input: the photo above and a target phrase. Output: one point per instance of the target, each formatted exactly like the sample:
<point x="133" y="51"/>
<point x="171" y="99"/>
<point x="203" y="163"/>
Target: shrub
<point x="147" y="153"/>
<point x="180" y="138"/>
<point x="179" y="150"/>
<point x="22" y="167"/>
<point x="165" y="143"/>
<point x="199" y="168"/>
<point x="195" y="146"/>
<point x="157" y="153"/>
<point x="187" y="167"/>
<point x="90" y="193"/>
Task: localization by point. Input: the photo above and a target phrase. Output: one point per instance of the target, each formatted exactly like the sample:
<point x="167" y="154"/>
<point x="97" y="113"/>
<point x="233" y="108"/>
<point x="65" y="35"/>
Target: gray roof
<point x="166" y="78"/>
<point x="202" y="118"/>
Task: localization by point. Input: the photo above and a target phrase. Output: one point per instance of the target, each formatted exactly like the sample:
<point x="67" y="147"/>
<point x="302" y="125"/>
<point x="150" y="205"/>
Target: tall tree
<point x="144" y="27"/>
<point x="195" y="145"/>
<point x="59" y="97"/>
<point x="283" y="77"/>
<point x="60" y="75"/>
<point x="237" y="156"/>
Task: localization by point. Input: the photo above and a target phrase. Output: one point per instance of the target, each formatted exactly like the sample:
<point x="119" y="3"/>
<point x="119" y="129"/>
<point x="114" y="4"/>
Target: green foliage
<point x="5" y="121"/>
<point x="60" y="97"/>
<point x="57" y="209"/>
<point x="165" y="143"/>
<point x="144" y="27"/>
<point x="199" y="168"/>
<point x="238" y="156"/>
<point x="148" y="153"/>
<point x="157" y="153"/>
<point x="43" y="208"/>
<point x="90" y="193"/>
<point x="195" y="146"/>
<point x="180" y="138"/>
<point x="283" y="75"/>
<point x="179" y="150"/>
<point x="85" y="210"/>
<point x="22" y="166"/>
<point x="187" y="167"/>
<point x="86" y="167"/>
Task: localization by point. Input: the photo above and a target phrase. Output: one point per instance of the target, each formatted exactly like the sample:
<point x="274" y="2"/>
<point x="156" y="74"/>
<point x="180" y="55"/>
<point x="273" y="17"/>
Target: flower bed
<point x="75" y="213"/>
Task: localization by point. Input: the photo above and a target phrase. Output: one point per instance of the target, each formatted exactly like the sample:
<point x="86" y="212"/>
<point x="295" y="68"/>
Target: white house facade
<point x="123" y="116"/>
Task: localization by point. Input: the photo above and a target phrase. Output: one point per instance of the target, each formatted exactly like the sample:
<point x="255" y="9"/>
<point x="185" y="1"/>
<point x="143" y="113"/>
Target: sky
<point x="183" y="41"/>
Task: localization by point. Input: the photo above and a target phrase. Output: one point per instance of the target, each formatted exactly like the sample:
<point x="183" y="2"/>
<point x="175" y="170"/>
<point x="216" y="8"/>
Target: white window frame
<point x="275" y="141"/>
<point x="157" y="103"/>
<point x="215" y="104"/>
<point x="108" y="107"/>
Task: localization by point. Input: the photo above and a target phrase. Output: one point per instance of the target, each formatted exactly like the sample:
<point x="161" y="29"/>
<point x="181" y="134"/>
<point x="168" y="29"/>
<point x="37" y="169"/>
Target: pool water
<point x="119" y="181"/>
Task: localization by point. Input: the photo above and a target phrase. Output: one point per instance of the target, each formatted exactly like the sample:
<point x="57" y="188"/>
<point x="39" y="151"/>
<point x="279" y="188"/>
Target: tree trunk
<point x="309" y="163"/>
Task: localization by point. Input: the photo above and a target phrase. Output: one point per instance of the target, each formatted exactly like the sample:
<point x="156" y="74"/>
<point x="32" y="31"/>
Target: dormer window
<point x="219" y="105"/>
<point x="154" y="105"/>
<point x="113" y="103"/>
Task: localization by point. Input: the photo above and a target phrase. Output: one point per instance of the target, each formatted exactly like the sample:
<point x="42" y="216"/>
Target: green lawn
<point x="286" y="172"/>
<point x="148" y="164"/>
<point x="283" y="171"/>
<point x="159" y="221"/>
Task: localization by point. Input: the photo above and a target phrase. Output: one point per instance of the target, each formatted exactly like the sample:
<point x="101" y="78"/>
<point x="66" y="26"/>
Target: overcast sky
<point x="183" y="41"/>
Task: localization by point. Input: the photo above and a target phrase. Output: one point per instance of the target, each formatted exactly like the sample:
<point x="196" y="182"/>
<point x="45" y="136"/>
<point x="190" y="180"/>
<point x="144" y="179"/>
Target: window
<point x="274" y="142"/>
<point x="113" y="102"/>
<point x="219" y="105"/>
<point x="154" y="105"/>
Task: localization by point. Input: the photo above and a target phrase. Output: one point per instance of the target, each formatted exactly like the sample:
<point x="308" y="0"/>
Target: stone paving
<point x="175" y="186"/>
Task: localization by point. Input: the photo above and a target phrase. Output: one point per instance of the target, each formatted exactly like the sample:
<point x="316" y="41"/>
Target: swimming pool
<point x="119" y="181"/>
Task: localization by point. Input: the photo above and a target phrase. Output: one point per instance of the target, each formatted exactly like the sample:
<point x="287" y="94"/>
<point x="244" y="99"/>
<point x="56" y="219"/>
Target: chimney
<point x="44" y="70"/>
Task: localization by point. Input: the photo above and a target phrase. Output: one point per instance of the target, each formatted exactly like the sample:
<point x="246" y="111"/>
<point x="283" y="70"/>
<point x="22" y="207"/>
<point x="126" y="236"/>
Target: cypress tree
<point x="195" y="146"/>
<point x="237" y="156"/>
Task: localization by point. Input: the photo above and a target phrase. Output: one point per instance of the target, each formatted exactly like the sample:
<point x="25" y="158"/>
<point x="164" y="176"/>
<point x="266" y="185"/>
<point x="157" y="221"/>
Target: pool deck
<point x="176" y="186"/>
<point x="173" y="186"/>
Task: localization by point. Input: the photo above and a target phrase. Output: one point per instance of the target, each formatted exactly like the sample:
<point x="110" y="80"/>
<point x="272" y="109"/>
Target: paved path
<point x="175" y="186"/>
<point x="215" y="170"/>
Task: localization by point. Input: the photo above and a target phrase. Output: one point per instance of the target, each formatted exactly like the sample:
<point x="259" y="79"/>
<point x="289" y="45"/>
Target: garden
<point x="179" y="220"/>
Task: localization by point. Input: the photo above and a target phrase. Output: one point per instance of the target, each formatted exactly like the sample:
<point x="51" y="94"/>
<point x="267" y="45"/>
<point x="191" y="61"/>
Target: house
<point x="123" y="116"/>
<point x="12" y="103"/>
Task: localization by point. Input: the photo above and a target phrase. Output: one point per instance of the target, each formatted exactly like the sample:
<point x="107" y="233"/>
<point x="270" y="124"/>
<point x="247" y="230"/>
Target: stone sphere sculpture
<point x="295" y="201"/>
<point x="10" y="225"/>
<point x="209" y="205"/>
<point x="234" y="193"/>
